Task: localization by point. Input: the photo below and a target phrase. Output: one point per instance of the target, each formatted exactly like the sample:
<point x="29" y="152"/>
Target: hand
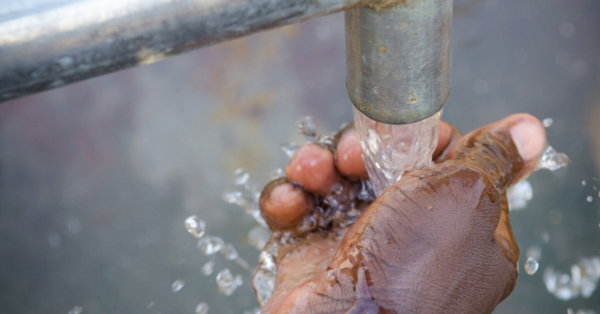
<point x="437" y="241"/>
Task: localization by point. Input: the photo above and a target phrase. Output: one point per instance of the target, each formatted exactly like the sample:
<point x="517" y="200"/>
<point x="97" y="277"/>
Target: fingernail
<point x="529" y="137"/>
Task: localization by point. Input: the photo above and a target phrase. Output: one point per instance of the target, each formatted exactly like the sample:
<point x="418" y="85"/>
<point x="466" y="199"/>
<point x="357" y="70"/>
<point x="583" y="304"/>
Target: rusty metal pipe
<point x="399" y="59"/>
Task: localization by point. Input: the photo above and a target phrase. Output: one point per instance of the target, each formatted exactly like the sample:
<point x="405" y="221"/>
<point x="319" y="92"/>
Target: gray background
<point x="112" y="166"/>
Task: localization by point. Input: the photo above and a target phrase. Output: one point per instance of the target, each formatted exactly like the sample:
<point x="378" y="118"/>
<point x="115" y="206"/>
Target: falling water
<point x="389" y="150"/>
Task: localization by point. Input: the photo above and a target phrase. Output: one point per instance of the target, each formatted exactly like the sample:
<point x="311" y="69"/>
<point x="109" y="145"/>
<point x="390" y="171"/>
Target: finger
<point x="348" y="156"/>
<point x="284" y="205"/>
<point x="313" y="168"/>
<point x="507" y="150"/>
<point x="448" y="137"/>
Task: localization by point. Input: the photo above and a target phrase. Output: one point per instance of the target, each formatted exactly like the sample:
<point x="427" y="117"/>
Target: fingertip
<point x="313" y="167"/>
<point x="529" y="136"/>
<point x="348" y="159"/>
<point x="284" y="206"/>
<point x="444" y="135"/>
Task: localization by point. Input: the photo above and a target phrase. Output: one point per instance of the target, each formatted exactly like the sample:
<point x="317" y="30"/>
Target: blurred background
<point x="96" y="178"/>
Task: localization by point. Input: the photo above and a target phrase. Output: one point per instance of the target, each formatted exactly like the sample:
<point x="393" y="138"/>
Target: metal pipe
<point x="399" y="59"/>
<point x="45" y="44"/>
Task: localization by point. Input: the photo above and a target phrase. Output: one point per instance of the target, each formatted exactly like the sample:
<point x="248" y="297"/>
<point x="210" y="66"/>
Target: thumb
<point x="507" y="150"/>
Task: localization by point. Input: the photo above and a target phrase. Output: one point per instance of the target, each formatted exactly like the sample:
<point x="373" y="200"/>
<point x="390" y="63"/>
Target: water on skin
<point x="388" y="151"/>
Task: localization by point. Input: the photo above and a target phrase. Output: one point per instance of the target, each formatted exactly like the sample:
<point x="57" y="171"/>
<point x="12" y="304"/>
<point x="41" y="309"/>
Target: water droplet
<point x="224" y="278"/>
<point x="76" y="310"/>
<point x="177" y="285"/>
<point x="553" y="160"/>
<point x="240" y="177"/>
<point x="531" y="266"/>
<point x="547" y="122"/>
<point x="583" y="280"/>
<point x="306" y="127"/>
<point x="430" y="207"/>
<point x="210" y="245"/>
<point x="227" y="283"/>
<point x="264" y="284"/>
<point x="150" y="305"/>
<point x="208" y="268"/>
<point x="229" y="252"/>
<point x="589" y="199"/>
<point x="583" y="182"/>
<point x="258" y="237"/>
<point x="276" y="174"/>
<point x="202" y="308"/>
<point x="308" y="224"/>
<point x="519" y="195"/>
<point x="570" y="311"/>
<point x="290" y="149"/>
<point x="235" y="197"/>
<point x="195" y="226"/>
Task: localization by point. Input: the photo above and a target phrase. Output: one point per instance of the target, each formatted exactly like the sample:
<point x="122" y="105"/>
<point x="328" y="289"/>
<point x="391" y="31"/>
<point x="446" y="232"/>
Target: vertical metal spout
<point x="399" y="59"/>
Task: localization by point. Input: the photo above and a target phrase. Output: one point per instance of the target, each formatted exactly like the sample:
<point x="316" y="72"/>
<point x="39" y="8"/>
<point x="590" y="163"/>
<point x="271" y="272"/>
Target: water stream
<point x="389" y="150"/>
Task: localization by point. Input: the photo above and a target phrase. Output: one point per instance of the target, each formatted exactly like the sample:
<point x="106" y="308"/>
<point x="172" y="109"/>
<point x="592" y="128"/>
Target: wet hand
<point x="437" y="241"/>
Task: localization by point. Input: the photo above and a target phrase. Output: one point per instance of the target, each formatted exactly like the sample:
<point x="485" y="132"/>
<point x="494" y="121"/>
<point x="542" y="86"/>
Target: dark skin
<point x="437" y="241"/>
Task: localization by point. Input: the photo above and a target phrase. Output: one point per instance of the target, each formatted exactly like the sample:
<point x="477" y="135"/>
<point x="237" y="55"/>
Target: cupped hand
<point x="437" y="241"/>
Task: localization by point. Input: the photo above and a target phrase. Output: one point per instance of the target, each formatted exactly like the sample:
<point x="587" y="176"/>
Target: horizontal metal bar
<point x="45" y="44"/>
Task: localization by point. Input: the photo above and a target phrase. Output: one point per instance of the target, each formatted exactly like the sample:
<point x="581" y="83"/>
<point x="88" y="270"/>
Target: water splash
<point x="306" y="127"/>
<point x="276" y="174"/>
<point x="241" y="177"/>
<point x="531" y="266"/>
<point x="177" y="285"/>
<point x="208" y="268"/>
<point x="227" y="282"/>
<point x="553" y="160"/>
<point x="547" y="122"/>
<point x="210" y="245"/>
<point x="248" y="198"/>
<point x="582" y="281"/>
<point x="264" y="279"/>
<point x="202" y="308"/>
<point x="195" y="226"/>
<point x="519" y="195"/>
<point x="390" y="150"/>
<point x="290" y="149"/>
